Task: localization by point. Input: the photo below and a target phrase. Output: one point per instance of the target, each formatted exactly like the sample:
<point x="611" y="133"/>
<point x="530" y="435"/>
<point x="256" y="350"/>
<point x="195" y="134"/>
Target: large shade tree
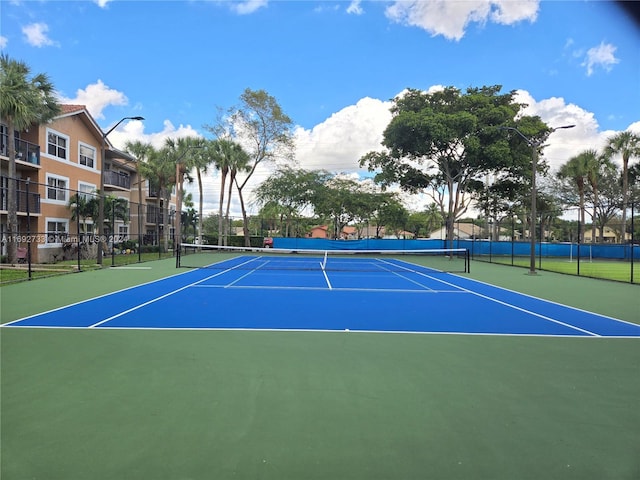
<point x="25" y="100"/>
<point x="444" y="143"/>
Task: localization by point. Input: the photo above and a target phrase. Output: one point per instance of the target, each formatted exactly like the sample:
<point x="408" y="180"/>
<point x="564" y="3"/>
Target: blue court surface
<point x="375" y="296"/>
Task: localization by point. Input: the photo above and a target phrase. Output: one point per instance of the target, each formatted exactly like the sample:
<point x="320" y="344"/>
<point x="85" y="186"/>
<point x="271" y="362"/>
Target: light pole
<point x="179" y="179"/>
<point x="535" y="145"/>
<point x="101" y="195"/>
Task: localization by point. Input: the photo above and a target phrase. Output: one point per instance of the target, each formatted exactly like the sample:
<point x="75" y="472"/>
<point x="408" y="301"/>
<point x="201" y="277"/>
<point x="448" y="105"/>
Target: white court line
<point x="544" y="317"/>
<point x="95" y="298"/>
<point x="326" y="277"/>
<point x="334" y="331"/>
<point x="167" y="295"/>
<point x="125" y="267"/>
<point x="349" y="289"/>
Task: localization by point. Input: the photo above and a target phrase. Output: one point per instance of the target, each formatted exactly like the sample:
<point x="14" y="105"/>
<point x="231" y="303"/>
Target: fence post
<point x="139" y="232"/>
<point x="158" y="232"/>
<point x="113" y="233"/>
<point x="28" y="229"/>
<point x="513" y="237"/>
<point x="78" y="243"/>
<point x="578" y="254"/>
<point x="633" y="239"/>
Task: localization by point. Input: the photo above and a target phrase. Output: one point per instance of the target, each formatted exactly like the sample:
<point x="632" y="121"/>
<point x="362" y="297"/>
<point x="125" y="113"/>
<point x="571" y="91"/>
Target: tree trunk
<point x="245" y="220"/>
<point x="220" y="218"/>
<point x="625" y="195"/>
<point x="198" y="234"/>
<point x="226" y="224"/>
<point x="12" y="197"/>
<point x="593" y="226"/>
<point x="140" y="223"/>
<point x="581" y="222"/>
<point x="165" y="220"/>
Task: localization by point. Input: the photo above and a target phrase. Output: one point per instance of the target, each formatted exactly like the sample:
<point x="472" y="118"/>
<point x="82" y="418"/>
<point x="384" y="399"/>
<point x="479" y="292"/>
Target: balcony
<point x="28" y="201"/>
<point x="26" y="152"/>
<point x="116" y="179"/>
<point x="154" y="215"/>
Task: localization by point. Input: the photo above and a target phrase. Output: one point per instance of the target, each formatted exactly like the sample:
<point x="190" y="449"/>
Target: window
<point x="57" y="145"/>
<point x="87" y="226"/>
<point x="56" y="230"/>
<point x="87" y="156"/>
<point x="86" y="190"/>
<point x="57" y="188"/>
<point x="123" y="232"/>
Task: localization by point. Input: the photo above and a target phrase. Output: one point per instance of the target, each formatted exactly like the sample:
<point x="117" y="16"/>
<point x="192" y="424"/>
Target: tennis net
<point x="250" y="258"/>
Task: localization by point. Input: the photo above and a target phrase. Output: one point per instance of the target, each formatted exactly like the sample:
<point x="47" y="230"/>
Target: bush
<point x="127" y="245"/>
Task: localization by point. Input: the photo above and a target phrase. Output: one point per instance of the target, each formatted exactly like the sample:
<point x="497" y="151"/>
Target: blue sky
<point x="332" y="65"/>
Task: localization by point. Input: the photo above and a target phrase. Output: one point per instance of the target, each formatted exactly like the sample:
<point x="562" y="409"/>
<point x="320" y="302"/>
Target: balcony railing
<point x="25" y="151"/>
<point x="154" y="215"/>
<point x="26" y="199"/>
<point x="117" y="180"/>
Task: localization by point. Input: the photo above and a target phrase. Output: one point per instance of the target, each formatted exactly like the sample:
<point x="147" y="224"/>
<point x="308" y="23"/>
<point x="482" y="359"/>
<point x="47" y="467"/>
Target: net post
<point x="178" y="255"/>
<point x="467" y="261"/>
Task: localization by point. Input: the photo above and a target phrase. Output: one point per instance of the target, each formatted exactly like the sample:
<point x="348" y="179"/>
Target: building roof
<point x="69" y="109"/>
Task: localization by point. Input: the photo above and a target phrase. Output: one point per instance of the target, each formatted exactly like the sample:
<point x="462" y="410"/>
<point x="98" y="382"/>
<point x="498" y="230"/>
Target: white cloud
<point x="635" y="127"/>
<point x="102" y="3"/>
<point x="450" y="18"/>
<point x="134" y="131"/>
<point x="97" y="96"/>
<point x="564" y="144"/>
<point x="338" y="143"/>
<point x="3" y="41"/>
<point x="36" y="35"/>
<point x="248" y="6"/>
<point x="601" y="56"/>
<point x="355" y="8"/>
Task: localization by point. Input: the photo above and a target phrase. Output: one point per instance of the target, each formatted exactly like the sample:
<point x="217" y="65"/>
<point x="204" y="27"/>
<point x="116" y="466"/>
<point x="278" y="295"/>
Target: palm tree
<point x="576" y="170"/>
<point x="626" y="144"/>
<point x="115" y="209"/>
<point x="160" y="171"/>
<point x="229" y="158"/>
<point x="83" y="207"/>
<point x="239" y="162"/>
<point x="189" y="217"/>
<point x="141" y="151"/>
<point x="24" y="101"/>
<point x="200" y="161"/>
<point x="433" y="217"/>
<point x="596" y="165"/>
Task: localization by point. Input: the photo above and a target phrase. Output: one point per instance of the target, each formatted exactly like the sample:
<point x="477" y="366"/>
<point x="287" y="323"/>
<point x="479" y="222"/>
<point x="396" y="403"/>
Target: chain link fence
<point x="58" y="229"/>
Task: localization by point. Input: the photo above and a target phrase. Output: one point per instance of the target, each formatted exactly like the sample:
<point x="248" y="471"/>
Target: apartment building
<point x="62" y="158"/>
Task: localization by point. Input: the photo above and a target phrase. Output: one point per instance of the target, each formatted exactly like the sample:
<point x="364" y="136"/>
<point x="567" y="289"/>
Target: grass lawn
<point x="20" y="273"/>
<point x="608" y="270"/>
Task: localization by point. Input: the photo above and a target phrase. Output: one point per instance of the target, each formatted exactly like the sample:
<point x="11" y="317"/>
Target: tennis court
<point x="371" y="294"/>
<point x="243" y="368"/>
